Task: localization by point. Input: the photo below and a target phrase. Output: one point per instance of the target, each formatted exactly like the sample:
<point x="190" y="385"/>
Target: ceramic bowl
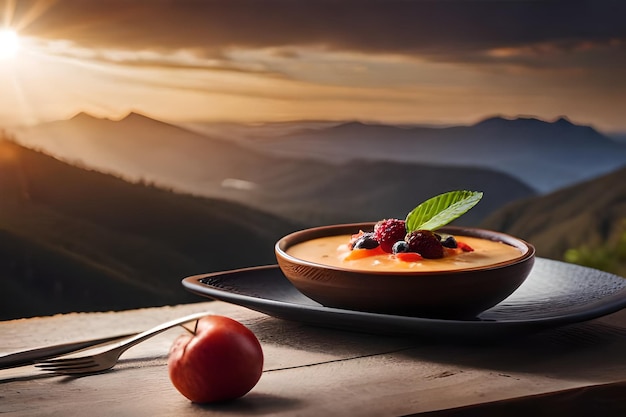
<point x="442" y="294"/>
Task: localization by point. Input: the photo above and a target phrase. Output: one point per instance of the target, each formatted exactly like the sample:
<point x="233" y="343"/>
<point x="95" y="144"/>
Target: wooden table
<point x="310" y="371"/>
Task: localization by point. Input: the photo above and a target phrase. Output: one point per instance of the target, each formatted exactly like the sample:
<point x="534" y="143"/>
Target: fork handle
<point x="140" y="337"/>
<point x="31" y="356"/>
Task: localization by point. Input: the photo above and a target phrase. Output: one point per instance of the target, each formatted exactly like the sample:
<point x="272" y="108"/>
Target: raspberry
<point x="425" y="243"/>
<point x="389" y="231"/>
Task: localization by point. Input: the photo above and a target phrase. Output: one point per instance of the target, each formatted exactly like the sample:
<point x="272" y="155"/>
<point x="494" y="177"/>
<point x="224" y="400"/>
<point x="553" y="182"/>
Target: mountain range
<point x="244" y="170"/>
<point x="544" y="155"/>
<point x="208" y="158"/>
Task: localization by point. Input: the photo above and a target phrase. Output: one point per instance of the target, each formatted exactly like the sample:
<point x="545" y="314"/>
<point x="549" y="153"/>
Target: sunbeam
<point x="9" y="44"/>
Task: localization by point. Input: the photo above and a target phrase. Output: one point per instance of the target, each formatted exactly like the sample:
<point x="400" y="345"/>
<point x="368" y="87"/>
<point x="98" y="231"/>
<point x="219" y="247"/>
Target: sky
<point x="389" y="61"/>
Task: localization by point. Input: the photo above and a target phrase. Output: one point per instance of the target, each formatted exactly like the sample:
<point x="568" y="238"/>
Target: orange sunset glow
<point x="243" y="60"/>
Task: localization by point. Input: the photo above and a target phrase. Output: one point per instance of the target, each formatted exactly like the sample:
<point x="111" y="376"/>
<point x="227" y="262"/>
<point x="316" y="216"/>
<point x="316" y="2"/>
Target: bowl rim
<point x="528" y="250"/>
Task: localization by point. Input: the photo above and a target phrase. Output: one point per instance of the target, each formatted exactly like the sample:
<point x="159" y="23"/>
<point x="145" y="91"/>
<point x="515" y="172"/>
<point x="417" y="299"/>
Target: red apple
<point x="221" y="360"/>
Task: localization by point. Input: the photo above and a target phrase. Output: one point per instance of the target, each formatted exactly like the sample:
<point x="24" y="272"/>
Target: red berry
<point x="409" y="256"/>
<point x="465" y="247"/>
<point x="425" y="243"/>
<point x="389" y="231"/>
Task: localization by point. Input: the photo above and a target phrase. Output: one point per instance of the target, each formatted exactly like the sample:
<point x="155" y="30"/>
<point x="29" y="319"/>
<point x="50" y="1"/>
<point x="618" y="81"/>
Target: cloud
<point x="442" y="30"/>
<point x="399" y="58"/>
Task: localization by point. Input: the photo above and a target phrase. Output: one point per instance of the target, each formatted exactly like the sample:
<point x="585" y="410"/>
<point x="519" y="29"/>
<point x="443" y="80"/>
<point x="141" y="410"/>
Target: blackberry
<point x="448" y="242"/>
<point x="356" y="237"/>
<point x="425" y="243"/>
<point x="389" y="231"/>
<point x="366" y="241"/>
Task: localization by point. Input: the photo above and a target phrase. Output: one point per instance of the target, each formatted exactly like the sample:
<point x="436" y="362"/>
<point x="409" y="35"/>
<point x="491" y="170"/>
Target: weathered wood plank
<point x="314" y="371"/>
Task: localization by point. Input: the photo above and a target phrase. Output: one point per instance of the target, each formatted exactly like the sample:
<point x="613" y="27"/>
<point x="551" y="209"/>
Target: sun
<point x="9" y="43"/>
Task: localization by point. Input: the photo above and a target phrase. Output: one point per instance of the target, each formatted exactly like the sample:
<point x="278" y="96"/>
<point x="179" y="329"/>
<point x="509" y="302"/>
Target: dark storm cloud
<point x="444" y="29"/>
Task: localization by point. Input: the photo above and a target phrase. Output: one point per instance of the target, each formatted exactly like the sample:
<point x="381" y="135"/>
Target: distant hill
<point x="590" y="213"/>
<point x="73" y="239"/>
<point x="140" y="148"/>
<point x="372" y="190"/>
<point x="544" y="155"/>
<point x="305" y="190"/>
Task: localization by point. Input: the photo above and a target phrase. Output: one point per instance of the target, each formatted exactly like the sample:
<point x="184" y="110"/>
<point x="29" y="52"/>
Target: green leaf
<point x="441" y="210"/>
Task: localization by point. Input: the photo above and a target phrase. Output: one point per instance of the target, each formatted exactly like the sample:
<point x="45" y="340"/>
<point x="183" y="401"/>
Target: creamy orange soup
<point x="332" y="250"/>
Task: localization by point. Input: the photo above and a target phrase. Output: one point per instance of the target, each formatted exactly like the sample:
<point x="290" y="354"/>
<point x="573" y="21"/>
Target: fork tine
<point x="70" y="366"/>
<point x="80" y="370"/>
<point x="68" y="361"/>
<point x="50" y="366"/>
<point x="58" y="363"/>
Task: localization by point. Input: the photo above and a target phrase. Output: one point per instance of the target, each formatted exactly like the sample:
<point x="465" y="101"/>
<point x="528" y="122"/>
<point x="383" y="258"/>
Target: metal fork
<point x="108" y="358"/>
